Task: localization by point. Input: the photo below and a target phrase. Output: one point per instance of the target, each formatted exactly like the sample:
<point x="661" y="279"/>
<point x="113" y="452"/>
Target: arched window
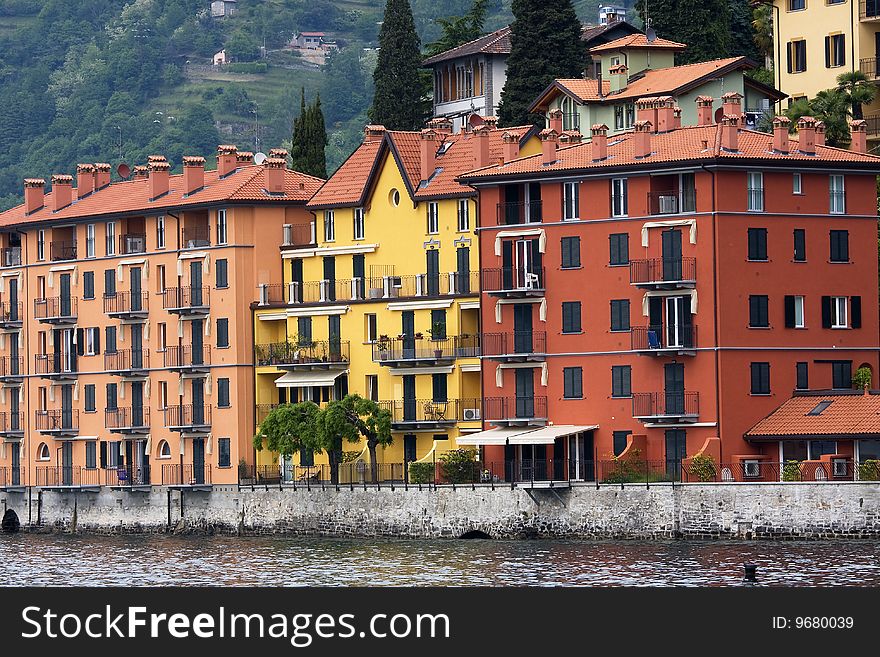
<point x="164" y="451"/>
<point x="43" y="452"/>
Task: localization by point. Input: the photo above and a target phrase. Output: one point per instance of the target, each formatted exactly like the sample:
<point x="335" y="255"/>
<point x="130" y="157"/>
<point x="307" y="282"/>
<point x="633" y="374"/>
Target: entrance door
<point x="523" y="342"/>
<point x="67" y="462"/>
<point x="676" y="450"/>
<point x="674" y="389"/>
<point x="198" y="401"/>
<point x="580" y="456"/>
<point x="432" y="282"/>
<point x="525" y="393"/>
<point x="463" y="270"/>
<point x="65" y="295"/>
<point x="409" y="398"/>
<point x="534" y="462"/>
<point x="408" y="330"/>
<point x="136" y="304"/>
<point x="672" y="255"/>
<point x="197" y="337"/>
<point x="198" y="461"/>
<point x="195" y="282"/>
<point x="137" y="346"/>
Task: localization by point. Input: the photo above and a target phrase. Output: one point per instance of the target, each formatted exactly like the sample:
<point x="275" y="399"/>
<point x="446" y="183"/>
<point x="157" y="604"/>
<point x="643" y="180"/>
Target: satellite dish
<point x="651" y="34"/>
<point x="259" y="158"/>
<point x="123" y="170"/>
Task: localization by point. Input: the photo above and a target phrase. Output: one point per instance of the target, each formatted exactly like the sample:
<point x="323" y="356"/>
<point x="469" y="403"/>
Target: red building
<point x="652" y="296"/>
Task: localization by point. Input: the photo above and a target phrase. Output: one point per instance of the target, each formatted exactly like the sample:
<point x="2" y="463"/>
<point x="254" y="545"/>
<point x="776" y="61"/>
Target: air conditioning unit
<point x="471" y="414"/>
<point x="840" y="467"/>
<point x="751" y="469"/>
<point x="668" y="204"/>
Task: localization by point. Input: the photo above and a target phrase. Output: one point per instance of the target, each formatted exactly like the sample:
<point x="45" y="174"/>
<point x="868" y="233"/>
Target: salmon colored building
<point x="652" y="296"/>
<point x="125" y="340"/>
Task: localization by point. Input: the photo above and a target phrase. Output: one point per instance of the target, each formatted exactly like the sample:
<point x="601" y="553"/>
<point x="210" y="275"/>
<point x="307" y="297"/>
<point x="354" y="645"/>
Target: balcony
<point x="62" y="250"/>
<point x="187" y="476"/>
<point x="470" y="410"/>
<point x="873" y="124"/>
<point x="658" y="340"/>
<point x="67" y="476"/>
<point x="321" y="355"/>
<point x="187" y="359"/>
<point x="672" y="202"/>
<point x="11" y="424"/>
<point x="666" y="407"/>
<point x="188" y="418"/>
<point x="263" y="411"/>
<point x="412" y="286"/>
<point x="425" y="352"/>
<point x="187" y="301"/>
<point x="127" y="305"/>
<point x="515" y="346"/>
<point x="11" y="478"/>
<point x="515" y="411"/>
<point x="514" y="282"/>
<point x="11" y="368"/>
<point x="414" y="414"/>
<point x="56" y="310"/>
<point x="132" y="243"/>
<point x="58" y="422"/>
<point x="869" y="10"/>
<point x="10" y="256"/>
<point x="296" y="235"/>
<point x="195" y="237"/>
<point x="868" y="66"/>
<point x="11" y="315"/>
<point x="128" y="362"/>
<point x="128" y="420"/>
<point x="663" y="273"/>
<point x="128" y="477"/>
<point x="57" y="366"/>
<point x="521" y="212"/>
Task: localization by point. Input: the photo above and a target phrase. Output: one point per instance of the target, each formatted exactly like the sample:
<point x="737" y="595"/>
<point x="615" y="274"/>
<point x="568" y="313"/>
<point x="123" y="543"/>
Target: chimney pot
<point x="85" y="180"/>
<point x="159" y="178"/>
<point x="102" y="175"/>
<point x="374" y="133"/>
<point x="277" y="152"/>
<point x="642" y="139"/>
<point x="141" y="171"/>
<point x="243" y="158"/>
<point x="730" y="132"/>
<point x="555" y="120"/>
<point x="731" y="104"/>
<point x="807" y="135"/>
<point x="665" y="114"/>
<point x="273" y="175"/>
<point x="491" y="121"/>
<point x="600" y="141"/>
<point x="62" y="191"/>
<point x="780" y="134"/>
<point x="511" y="146"/>
<point x="646" y="110"/>
<point x="193" y="174"/>
<point x="549" y="144"/>
<point x="428" y="152"/>
<point x="618" y="78"/>
<point x="676" y="117"/>
<point x="571" y="137"/>
<point x="480" y="144"/>
<point x="441" y="125"/>
<point x="820" y="133"/>
<point x="704" y="110"/>
<point x="34" y="194"/>
<point x="859" y="135"/>
<point x="226" y="159"/>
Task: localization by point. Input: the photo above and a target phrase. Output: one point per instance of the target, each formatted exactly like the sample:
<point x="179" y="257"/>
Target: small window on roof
<point x="444" y="147"/>
<point x="821" y="406"/>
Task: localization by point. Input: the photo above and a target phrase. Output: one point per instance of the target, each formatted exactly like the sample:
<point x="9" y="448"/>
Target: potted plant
<point x="383" y="344"/>
<point x="438" y="333"/>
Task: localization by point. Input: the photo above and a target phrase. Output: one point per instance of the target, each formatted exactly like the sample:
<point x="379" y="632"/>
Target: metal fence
<point x="187" y="356"/>
<point x="55" y="307"/>
<point x="126" y="302"/>
<point x="513" y="279"/>
<point x="305" y="352"/>
<point x="67" y="475"/>
<point x="514" y="343"/>
<point x="663" y="270"/>
<point x="177" y="298"/>
<point x="10" y="476"/>
<point x="125" y="360"/>
<point x="186" y="475"/>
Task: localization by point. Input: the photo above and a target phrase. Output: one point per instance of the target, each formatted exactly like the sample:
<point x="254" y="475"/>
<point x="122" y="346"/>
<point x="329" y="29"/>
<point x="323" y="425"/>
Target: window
<point x="800" y="245"/>
<point x="438" y="388"/>
<point x="835" y="50"/>
<point x="223" y="456"/>
<point x="841" y="374"/>
<point x="571" y="316"/>
<point x="618" y="197"/>
<point x="758" y="313"/>
<point x="618" y="117"/>
<point x="571" y="252"/>
<point x="160" y="231"/>
<point x="624" y="116"/>
<point x="570" y="201"/>
<point x="757" y="244"/>
<point x="110" y="339"/>
<point x="164" y="451"/>
<point x="433" y="218"/>
<point x="223" y="393"/>
<point x="109" y="282"/>
<point x="90" y="240"/>
<point x="394" y="197"/>
<point x="222" y="333"/>
<point x="91" y="455"/>
<point x="372" y="387"/>
<point x="796" y="5"/>
<point x="110" y="238"/>
<point x="160" y="278"/>
<point x="358" y="229"/>
<point x="838" y="312"/>
<point x="619" y="249"/>
<point x="89" y="393"/>
<point x="371" y="327"/>
<point x="839" y="245"/>
<point x="111" y="396"/>
<point x="796" y="184"/>
<point x="88" y="285"/>
<point x="163" y="394"/>
<point x="756" y="191"/>
<point x="222" y="276"/>
<point x="620" y="315"/>
<point x="619" y="441"/>
<point x="798" y="304"/>
<point x="221" y="227"/>
<point x="760" y="378"/>
<point x="836" y="195"/>
<point x="573" y="382"/>
<point x="41" y="245"/>
<point x="464" y="217"/>
<point x="329" y="226"/>
<point x="43" y="452"/>
<point x="621" y="381"/>
<point x="797" y="56"/>
<point x="802" y="376"/>
<point x="92" y="337"/>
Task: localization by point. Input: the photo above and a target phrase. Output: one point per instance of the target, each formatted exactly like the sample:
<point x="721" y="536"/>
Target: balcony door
<point x="408" y="331"/>
<point x="527" y="264"/>
<point x="16" y="465"/>
<point x="296" y="277"/>
<point x="533" y="203"/>
<point x="13" y="300"/>
<point x="136" y="288"/>
<point x="463" y="270"/>
<point x="137" y="403"/>
<point x="67" y="462"/>
<point x="409" y="398"/>
<point x="678" y="322"/>
<point x="329" y="278"/>
<point x="358" y="273"/>
<point x="137" y="345"/>
<point x="676" y="450"/>
<point x="674" y="388"/>
<point x="198" y="401"/>
<point x="67" y="407"/>
<point x="198" y="466"/>
<point x="195" y="282"/>
<point x="522" y="329"/>
<point x="334" y="331"/>
<point x="197" y="343"/>
<point x="432" y="277"/>
<point x="511" y="204"/>
<point x="525" y="392"/>
<point x="65" y="295"/>
<point x="671" y="255"/>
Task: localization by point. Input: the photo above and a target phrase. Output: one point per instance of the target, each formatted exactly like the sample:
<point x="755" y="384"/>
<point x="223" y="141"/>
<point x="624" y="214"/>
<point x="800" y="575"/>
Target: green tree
<point x="545" y="44"/>
<point x="762" y="26"/>
<point x="457" y="30"/>
<point x="242" y="47"/>
<point x="289" y="428"/>
<point x="830" y="106"/>
<point x="352" y="419"/>
<point x="704" y="25"/>
<point x="858" y="90"/>
<point x="399" y="102"/>
<point x="309" y="139"/>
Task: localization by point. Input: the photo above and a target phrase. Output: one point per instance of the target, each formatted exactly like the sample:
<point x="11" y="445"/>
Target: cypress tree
<point x="398" y="102"/>
<point x="309" y="139"/>
<point x="545" y="44"/>
<point x="297" y="138"/>
<point x="704" y="25"/>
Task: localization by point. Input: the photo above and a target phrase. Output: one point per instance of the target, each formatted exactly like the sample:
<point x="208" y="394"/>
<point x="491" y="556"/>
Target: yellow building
<point x="380" y="295"/>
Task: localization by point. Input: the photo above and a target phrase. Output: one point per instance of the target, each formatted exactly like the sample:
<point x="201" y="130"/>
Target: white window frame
<point x="619" y="189"/>
<point x="43" y="455"/>
<point x="372" y="328"/>
<point x="163" y="336"/>
<point x="755" y="191"/>
<point x="160" y="277"/>
<point x="570" y="201"/>
<point x="358" y="223"/>
<point x="163" y="446"/>
<point x="464" y="215"/>
<point x="433" y="218"/>
<point x="836" y="194"/>
<point x="799" y="321"/>
<point x="839" y="318"/>
<point x="329" y="226"/>
<point x="90" y="240"/>
<point x="163" y="394"/>
<point x="41" y="244"/>
<point x="796" y="184"/>
<point x="110" y="238"/>
<point x="89" y="347"/>
<point x="160" y="231"/>
<point x="222" y="227"/>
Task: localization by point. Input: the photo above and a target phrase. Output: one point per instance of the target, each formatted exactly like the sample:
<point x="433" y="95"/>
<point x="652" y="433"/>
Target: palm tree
<point x="833" y="107"/>
<point x="762" y="23"/>
<point x="858" y="89"/>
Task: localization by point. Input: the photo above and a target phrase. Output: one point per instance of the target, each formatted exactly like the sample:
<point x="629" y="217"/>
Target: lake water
<point x="56" y="560"/>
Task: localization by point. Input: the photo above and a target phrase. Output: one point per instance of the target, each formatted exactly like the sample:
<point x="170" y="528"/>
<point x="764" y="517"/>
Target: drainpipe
<point x="715" y="303"/>
<point x="26" y="328"/>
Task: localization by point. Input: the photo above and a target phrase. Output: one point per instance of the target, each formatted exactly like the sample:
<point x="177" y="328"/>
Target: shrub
<point x="862" y="378"/>
<point x="869" y="470"/>
<point x="459" y="466"/>
<point x="791" y="471"/>
<point x="703" y="468"/>
<point x="421" y="473"/>
<point x="247" y="67"/>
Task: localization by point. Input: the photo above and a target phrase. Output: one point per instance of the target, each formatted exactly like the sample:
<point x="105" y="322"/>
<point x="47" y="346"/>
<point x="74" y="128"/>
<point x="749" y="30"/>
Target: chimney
<point x="730" y="132"/>
<point x="428" y="151"/>
<point x="141" y="171"/>
<point x="549" y="144"/>
<point x="570" y="137"/>
<point x="480" y="145"/>
<point x="618" y="78"/>
<point x="193" y="174"/>
<point x="676" y="117"/>
<point x="820" y="133"/>
<point x="646" y="110"/>
<point x="555" y="120"/>
<point x="226" y="156"/>
<point x="373" y="133"/>
<point x="34" y="194"/>
<point x="273" y="175"/>
<point x="704" y="110"/>
<point x="511" y="146"/>
<point x="102" y="175"/>
<point x="665" y="114"/>
<point x="159" y="172"/>
<point x="859" y="135"/>
<point x="780" y="134"/>
<point x="600" y="141"/>
<point x="441" y="125"/>
<point x="491" y="121"/>
<point x="807" y="135"/>
<point x="85" y="180"/>
<point x="62" y="191"/>
<point x="642" y="139"/>
<point x="274" y="152"/>
<point x="731" y="104"/>
<point x="599" y="82"/>
<point x="243" y="158"/>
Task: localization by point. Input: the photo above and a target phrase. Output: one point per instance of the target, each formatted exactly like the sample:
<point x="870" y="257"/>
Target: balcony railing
<point x="663" y="272"/>
<point x="470" y="410"/>
<point x="128" y="419"/>
<point x="11" y="256"/>
<point x="873" y="124"/>
<point x="176" y="474"/>
<point x="188" y="417"/>
<point x="868" y="66"/>
<point x="55" y="309"/>
<point x="62" y="250"/>
<point x="526" y="344"/>
<point x="514" y="280"/>
<point x="187" y="357"/>
<point x="669" y="405"/>
<point x="196" y="236"/>
<point x="377" y="287"/>
<point x="57" y="420"/>
<point x="56" y="364"/>
<point x="263" y="411"/>
<point x="51" y="476"/>
<point x="11" y="422"/>
<point x="514" y="409"/>
<point x="306" y="353"/>
<point x="127" y="303"/>
<point x="297" y="235"/>
<point x="186" y="299"/>
<point x="520" y="212"/>
<point x="658" y="338"/>
<point x="11" y="477"/>
<point x="414" y="412"/>
<point x="127" y="360"/>
<point x="11" y="313"/>
<point x="132" y="243"/>
<point x="869" y="9"/>
<point x="11" y="367"/>
<point x="127" y="475"/>
<point x="672" y="202"/>
<point x="271" y="294"/>
<point x="406" y="350"/>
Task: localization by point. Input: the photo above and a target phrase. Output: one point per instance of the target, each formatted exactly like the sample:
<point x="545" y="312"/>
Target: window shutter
<point x="826" y="312"/>
<point x="97" y="334"/>
<point x="855" y="311"/>
<point x="827" y="52"/>
<point x="789" y="311"/>
<point x="789" y="45"/>
<point x="103" y="454"/>
<point x="80" y="342"/>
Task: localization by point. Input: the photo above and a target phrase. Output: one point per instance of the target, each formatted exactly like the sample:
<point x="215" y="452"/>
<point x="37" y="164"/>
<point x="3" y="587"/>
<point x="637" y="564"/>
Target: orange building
<point x="126" y="344"/>
<point x="651" y="296"/>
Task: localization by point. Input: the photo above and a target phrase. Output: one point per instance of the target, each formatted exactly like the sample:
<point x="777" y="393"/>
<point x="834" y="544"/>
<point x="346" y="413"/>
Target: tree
<point x="742" y="31"/>
<point x="289" y="428"/>
<point x="242" y="47"/>
<point x="762" y="26"/>
<point x="830" y="106"/>
<point x="858" y="90"/>
<point x="399" y="102"/>
<point x="545" y="44"/>
<point x="309" y="139"/>
<point x="704" y="25"/>
<point x="457" y="30"/>
<point x="353" y="418"/>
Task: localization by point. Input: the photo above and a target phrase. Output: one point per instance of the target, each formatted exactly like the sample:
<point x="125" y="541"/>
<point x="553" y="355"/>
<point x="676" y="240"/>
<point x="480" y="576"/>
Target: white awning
<point x="317" y="379"/>
<point x="548" y="435"/>
<point x="498" y="436"/>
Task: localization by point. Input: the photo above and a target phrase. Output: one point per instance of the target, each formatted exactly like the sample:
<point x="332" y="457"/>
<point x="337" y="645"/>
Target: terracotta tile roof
<point x="690" y="143"/>
<point x="348" y="185"/>
<point x="853" y="414"/>
<point x="497" y="42"/>
<point x="245" y="184"/>
<point x="638" y="41"/>
<point x="584" y="89"/>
